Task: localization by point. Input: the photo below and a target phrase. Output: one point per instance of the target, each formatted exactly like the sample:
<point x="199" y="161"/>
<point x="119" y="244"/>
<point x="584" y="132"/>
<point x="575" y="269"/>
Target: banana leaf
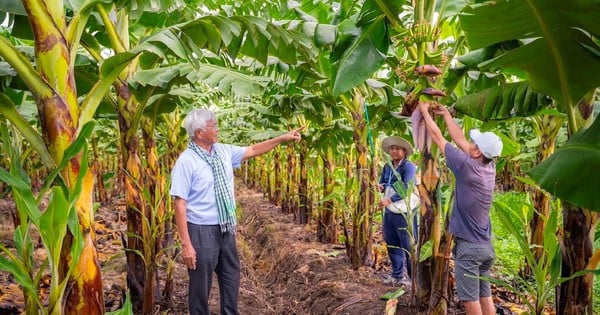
<point x="561" y="59"/>
<point x="503" y="102"/>
<point x="558" y="53"/>
<point x="363" y="57"/>
<point x="572" y="173"/>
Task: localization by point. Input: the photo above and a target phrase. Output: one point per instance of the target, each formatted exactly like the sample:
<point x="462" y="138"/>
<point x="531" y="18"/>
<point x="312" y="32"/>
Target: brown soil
<point x="284" y="270"/>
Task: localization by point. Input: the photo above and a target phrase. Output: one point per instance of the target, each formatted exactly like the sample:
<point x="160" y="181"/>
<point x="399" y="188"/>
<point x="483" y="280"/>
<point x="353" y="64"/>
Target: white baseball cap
<point x="489" y="143"/>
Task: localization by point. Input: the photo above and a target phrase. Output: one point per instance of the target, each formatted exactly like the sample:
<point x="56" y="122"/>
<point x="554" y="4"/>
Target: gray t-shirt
<point x="475" y="182"/>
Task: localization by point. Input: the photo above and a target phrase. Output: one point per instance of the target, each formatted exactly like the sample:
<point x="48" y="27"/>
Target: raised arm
<point x="434" y="130"/>
<point x="455" y="131"/>
<point x="267" y="145"/>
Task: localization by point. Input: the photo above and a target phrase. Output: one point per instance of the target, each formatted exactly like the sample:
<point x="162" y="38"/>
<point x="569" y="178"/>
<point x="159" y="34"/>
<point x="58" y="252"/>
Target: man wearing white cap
<point x="475" y="172"/>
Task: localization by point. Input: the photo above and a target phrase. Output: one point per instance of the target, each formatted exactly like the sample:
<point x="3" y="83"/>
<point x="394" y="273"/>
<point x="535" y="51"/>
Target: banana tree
<point x="309" y="93"/>
<point x="555" y="43"/>
<point x="330" y="75"/>
<point x="128" y="108"/>
<point x="146" y="77"/>
<point x="414" y="34"/>
<point x="547" y="128"/>
<point x="306" y="92"/>
<point x="50" y="79"/>
<point x="359" y="247"/>
<point x="326" y="220"/>
<point x="330" y="140"/>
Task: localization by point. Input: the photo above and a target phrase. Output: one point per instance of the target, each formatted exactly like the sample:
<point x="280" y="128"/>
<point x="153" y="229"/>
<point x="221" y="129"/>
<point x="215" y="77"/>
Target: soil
<point x="284" y="269"/>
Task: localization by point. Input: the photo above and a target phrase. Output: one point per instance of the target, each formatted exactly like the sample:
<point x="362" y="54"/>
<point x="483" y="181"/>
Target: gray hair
<point x="197" y="119"/>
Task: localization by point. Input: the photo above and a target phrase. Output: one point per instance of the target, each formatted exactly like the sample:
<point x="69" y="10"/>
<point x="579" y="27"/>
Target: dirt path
<point x="300" y="274"/>
<point x="284" y="271"/>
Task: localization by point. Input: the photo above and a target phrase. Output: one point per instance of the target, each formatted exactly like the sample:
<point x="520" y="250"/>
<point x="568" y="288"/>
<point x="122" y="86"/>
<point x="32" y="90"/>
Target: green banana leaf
<point x="9" y="111"/>
<point x="322" y="34"/>
<point x="260" y="39"/>
<point x="13" y="264"/>
<point x="558" y="54"/>
<point x="473" y="58"/>
<point x="138" y="9"/>
<point x="572" y="173"/>
<point x="503" y="102"/>
<point x="228" y="81"/>
<point x="53" y="224"/>
<point x="24" y="199"/>
<point x="363" y="57"/>
<point x="126" y="309"/>
<point x="561" y="60"/>
<point x="13" y="7"/>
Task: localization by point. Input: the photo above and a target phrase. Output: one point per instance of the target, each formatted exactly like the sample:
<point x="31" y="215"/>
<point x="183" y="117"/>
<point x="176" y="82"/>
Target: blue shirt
<point x="406" y="169"/>
<point x="192" y="180"/>
<point x="475" y="180"/>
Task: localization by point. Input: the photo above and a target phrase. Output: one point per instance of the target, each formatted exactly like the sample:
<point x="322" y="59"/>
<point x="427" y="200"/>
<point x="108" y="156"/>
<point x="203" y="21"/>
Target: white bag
<point x="401" y="206"/>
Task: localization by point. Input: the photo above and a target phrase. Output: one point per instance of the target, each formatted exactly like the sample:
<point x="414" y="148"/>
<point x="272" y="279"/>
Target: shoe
<point x="389" y="280"/>
<point x="405" y="282"/>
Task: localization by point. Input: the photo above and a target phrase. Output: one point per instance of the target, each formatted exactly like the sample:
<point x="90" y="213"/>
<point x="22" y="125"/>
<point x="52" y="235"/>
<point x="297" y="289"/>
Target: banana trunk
<point x="59" y="117"/>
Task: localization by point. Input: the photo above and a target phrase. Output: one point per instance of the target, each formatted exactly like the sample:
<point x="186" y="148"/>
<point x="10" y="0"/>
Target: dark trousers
<point x="398" y="241"/>
<point x="215" y="252"/>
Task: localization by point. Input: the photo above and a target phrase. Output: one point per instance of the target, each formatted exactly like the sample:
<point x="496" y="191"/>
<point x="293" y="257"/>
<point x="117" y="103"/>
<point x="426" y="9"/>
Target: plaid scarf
<point x="223" y="188"/>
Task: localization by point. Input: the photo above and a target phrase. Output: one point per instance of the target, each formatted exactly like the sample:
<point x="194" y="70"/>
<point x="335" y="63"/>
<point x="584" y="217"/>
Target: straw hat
<point x="397" y="141"/>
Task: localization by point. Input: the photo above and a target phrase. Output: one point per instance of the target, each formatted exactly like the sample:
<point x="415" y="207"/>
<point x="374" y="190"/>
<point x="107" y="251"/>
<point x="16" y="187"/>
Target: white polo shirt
<point x="192" y="180"/>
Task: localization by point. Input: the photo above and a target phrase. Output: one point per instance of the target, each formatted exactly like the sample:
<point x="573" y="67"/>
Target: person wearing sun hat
<point x="395" y="233"/>
<point x="474" y="169"/>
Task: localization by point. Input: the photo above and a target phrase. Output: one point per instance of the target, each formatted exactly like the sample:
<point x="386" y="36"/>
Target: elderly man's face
<point x="210" y="133"/>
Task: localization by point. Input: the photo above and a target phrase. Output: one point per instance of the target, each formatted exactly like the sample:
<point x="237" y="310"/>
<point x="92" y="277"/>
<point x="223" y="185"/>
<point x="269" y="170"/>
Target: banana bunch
<point x="421" y="33"/>
<point x="419" y="92"/>
<point x="502" y="102"/>
<point x="421" y="137"/>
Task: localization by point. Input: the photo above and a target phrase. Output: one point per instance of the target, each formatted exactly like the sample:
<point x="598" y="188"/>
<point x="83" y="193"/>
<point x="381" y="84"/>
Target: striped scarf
<point x="223" y="188"/>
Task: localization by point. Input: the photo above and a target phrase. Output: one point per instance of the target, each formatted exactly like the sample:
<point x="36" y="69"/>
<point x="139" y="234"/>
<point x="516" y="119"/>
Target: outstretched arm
<point x="266" y="146"/>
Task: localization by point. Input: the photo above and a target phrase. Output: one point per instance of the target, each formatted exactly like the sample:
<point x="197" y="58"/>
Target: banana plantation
<point x="93" y="94"/>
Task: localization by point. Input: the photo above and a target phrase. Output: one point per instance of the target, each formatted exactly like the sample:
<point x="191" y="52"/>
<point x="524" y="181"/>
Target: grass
<point x="509" y="256"/>
<point x="508" y="251"/>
